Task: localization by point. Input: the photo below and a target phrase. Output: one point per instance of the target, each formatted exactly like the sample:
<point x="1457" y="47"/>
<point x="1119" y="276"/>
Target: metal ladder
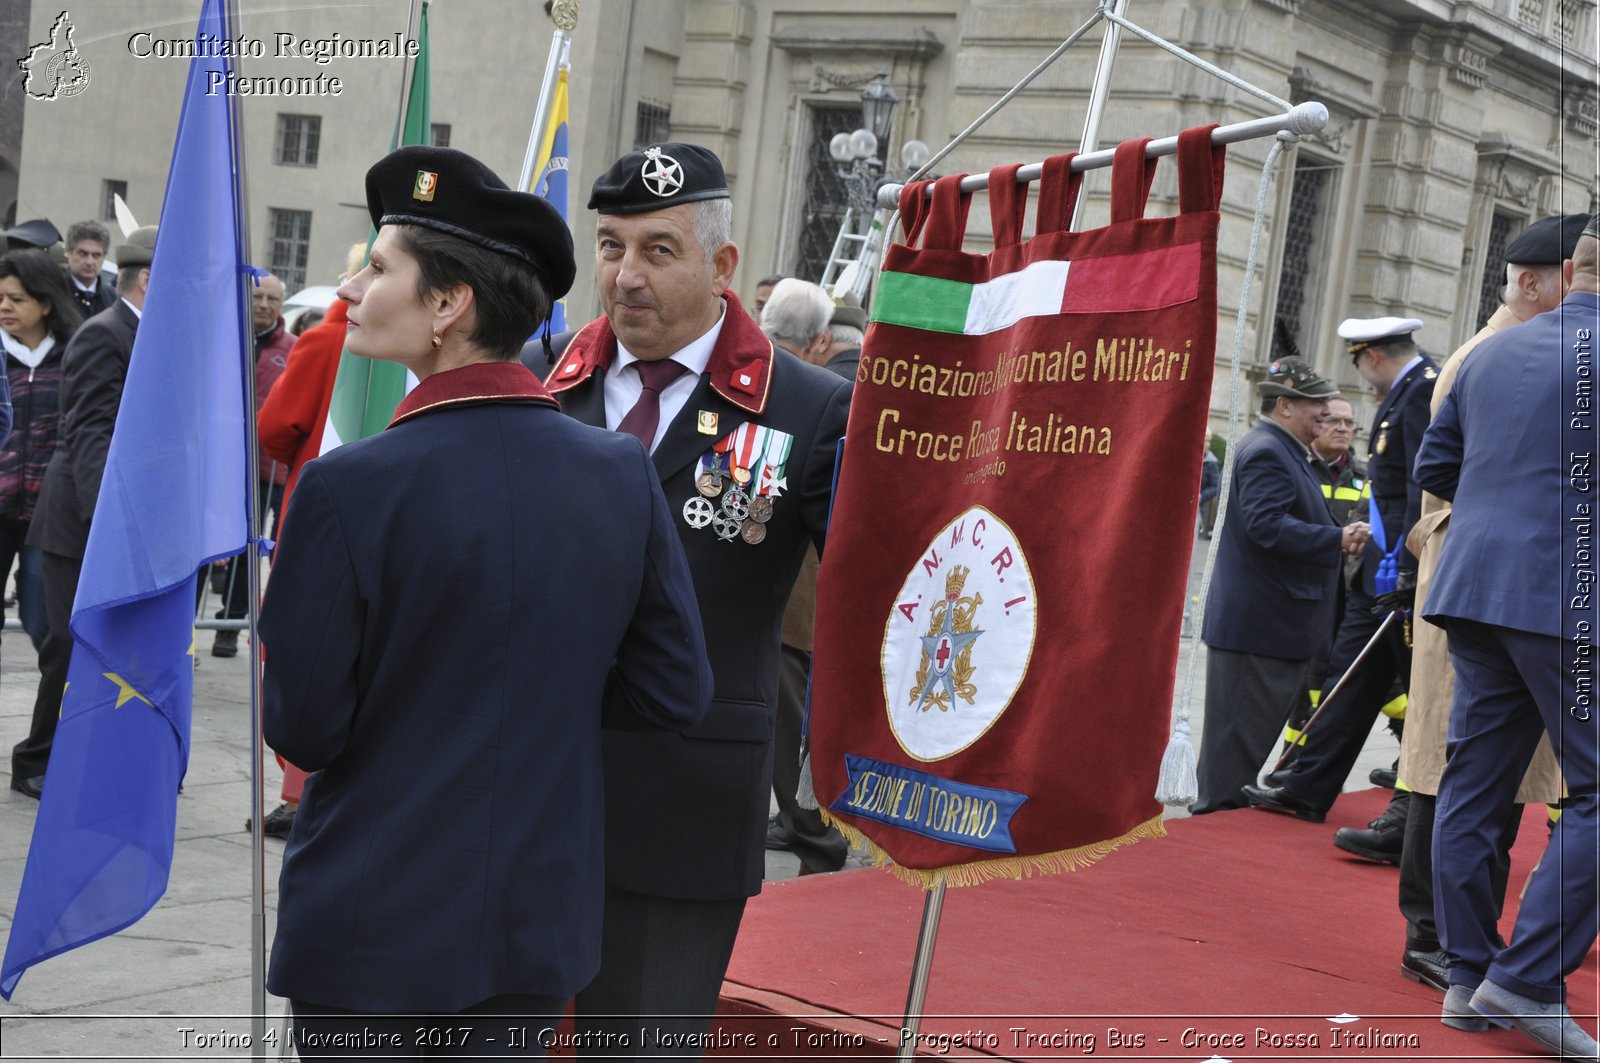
<point x="845" y="272"/>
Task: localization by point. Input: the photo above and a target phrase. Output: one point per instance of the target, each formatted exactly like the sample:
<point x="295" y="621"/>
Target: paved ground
<point x="186" y="965"/>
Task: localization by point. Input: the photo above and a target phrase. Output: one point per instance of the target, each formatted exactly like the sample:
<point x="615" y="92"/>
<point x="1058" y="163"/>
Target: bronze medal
<point x="741" y="475"/>
<point x="752" y="532"/>
<point x="761" y="509"/>
<point x="708" y="484"/>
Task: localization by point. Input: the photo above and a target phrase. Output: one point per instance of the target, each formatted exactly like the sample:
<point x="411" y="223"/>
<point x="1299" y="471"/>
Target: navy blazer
<point x="687" y="813"/>
<point x="1503" y="451"/>
<point x="1275" y="588"/>
<point x="93" y="370"/>
<point x="451" y="603"/>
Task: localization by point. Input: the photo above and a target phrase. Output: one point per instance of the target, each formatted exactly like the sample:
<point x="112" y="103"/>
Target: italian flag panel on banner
<point x="1002" y="592"/>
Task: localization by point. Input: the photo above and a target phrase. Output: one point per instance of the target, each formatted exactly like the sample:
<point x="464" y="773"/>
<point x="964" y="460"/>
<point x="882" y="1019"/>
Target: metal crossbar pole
<point x="1301" y="119"/>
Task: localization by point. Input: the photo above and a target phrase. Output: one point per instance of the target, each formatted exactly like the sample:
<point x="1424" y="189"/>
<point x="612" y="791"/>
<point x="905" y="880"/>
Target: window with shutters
<point x="299" y="136"/>
<point x="291" y="246"/>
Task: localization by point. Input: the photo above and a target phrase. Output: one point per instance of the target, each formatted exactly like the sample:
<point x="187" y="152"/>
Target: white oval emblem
<point x="959" y="638"/>
<point x="661" y="174"/>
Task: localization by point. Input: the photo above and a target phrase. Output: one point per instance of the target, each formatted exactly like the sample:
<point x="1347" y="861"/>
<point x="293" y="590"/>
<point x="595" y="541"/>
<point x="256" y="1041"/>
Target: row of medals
<point x="739" y="516"/>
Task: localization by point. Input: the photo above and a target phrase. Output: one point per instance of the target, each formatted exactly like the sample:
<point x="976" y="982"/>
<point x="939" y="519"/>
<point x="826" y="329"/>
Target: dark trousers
<point x="1511" y="688"/>
<point x="30" y="578"/>
<point x="1416" y="870"/>
<point x="515" y="1026"/>
<point x="819" y="846"/>
<point x="236" y="585"/>
<point x="1334" y="742"/>
<point x="31" y="756"/>
<point x="1248" y="697"/>
<point x="661" y="967"/>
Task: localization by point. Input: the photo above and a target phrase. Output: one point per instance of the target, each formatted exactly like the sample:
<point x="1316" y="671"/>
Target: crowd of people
<point x="1337" y="598"/>
<point x="573" y="780"/>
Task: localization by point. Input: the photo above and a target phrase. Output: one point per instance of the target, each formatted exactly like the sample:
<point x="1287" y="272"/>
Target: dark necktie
<point x="641" y="421"/>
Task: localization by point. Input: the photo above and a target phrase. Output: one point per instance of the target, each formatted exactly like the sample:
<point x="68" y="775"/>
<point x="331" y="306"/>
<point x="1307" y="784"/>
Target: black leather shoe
<point x="777" y="837"/>
<point x="226" y="644"/>
<point x="31" y="786"/>
<point x="1279" y="799"/>
<point x="1381" y="841"/>
<point x="1426" y="968"/>
<point x="1385" y="778"/>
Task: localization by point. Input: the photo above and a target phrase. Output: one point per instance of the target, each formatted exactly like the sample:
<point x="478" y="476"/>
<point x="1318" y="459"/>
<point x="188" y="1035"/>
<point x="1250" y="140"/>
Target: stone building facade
<point x="1452" y="124"/>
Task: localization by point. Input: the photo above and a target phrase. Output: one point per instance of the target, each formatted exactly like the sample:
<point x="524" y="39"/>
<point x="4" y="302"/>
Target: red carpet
<point x="1239" y="936"/>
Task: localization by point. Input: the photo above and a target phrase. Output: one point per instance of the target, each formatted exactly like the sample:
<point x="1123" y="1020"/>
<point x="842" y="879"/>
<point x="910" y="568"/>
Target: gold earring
<point x="437" y="342"/>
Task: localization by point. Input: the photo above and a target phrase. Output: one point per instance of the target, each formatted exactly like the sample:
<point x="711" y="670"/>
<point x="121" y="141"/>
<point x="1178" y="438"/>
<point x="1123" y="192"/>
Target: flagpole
<point x="251" y="561"/>
<point x="565" y="15"/>
<point x="932" y="909"/>
<point x="413" y="21"/>
<point x="1099" y="93"/>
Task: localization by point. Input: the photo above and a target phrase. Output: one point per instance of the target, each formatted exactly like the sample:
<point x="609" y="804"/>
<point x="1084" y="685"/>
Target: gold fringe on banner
<point x="1012" y="867"/>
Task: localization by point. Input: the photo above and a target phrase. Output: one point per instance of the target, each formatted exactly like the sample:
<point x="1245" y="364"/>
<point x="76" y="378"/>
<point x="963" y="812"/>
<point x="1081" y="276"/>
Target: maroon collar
<point x="480" y="382"/>
<point x="740" y="369"/>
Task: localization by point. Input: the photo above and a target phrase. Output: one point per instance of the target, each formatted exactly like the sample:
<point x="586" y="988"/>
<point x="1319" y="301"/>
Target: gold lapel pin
<point x="706" y="423"/>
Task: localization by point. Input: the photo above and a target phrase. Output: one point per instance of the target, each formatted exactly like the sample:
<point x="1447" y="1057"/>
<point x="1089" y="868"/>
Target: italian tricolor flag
<point x="1112" y="284"/>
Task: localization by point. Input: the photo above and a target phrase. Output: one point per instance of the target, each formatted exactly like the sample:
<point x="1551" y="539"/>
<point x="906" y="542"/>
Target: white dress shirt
<point x="623" y="386"/>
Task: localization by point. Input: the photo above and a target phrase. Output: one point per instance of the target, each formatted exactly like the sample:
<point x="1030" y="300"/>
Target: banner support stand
<point x="1098" y="95"/>
<point x="921" y="966"/>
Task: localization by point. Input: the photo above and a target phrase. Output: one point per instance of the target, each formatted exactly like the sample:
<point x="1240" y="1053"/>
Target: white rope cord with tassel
<point x="1178" y="782"/>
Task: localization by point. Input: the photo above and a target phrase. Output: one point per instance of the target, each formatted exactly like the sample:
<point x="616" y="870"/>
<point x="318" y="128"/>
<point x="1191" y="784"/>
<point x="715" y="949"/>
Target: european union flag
<point x="172" y="498"/>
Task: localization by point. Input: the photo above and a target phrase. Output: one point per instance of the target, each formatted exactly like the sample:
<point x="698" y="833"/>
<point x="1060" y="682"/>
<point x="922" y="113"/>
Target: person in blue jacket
<point x="451" y="603"/>
<point x="1512" y="450"/>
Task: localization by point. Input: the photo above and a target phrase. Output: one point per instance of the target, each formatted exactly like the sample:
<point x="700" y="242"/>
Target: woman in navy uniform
<point x="439" y="644"/>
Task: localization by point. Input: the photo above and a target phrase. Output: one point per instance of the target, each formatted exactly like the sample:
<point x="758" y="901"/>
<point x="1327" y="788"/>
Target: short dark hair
<point x="88" y="230"/>
<point x="43" y="280"/>
<point x="511" y="298"/>
<point x="770" y="282"/>
<point x="1268" y="404"/>
<point x="127" y="277"/>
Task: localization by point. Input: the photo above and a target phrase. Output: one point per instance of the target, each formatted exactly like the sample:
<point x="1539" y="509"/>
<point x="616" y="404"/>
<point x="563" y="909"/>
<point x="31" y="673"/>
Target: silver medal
<point x="725" y="526"/>
<point x="698" y="512"/>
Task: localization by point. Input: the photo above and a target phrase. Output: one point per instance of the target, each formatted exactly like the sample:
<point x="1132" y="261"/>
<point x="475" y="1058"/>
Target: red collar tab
<point x="741" y="363"/>
<point x="592" y="348"/>
<point x="740" y="369"/>
<point x="480" y="382"/>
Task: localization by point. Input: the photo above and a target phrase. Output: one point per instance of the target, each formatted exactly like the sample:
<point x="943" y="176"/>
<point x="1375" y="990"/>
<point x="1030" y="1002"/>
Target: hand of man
<point x="1354" y="537"/>
<point x="1401" y="599"/>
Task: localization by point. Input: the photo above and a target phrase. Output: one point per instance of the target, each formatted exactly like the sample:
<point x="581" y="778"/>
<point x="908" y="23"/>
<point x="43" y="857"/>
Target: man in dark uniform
<point x="1513" y="450"/>
<point x="743" y="440"/>
<point x="1389" y="360"/>
<point x="92" y="373"/>
<point x="1271" y="607"/>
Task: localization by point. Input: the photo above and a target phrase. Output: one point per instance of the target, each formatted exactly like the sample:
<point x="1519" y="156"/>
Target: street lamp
<point x="856" y="153"/>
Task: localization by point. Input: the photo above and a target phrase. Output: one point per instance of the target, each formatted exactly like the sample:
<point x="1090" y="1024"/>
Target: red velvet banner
<point x="1000" y="601"/>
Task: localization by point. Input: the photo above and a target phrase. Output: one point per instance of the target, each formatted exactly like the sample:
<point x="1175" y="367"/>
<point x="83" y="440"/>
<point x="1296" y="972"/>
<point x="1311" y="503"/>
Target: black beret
<point x="658" y="177"/>
<point x="1547" y="242"/>
<point x="35" y="233"/>
<point x="451" y="192"/>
